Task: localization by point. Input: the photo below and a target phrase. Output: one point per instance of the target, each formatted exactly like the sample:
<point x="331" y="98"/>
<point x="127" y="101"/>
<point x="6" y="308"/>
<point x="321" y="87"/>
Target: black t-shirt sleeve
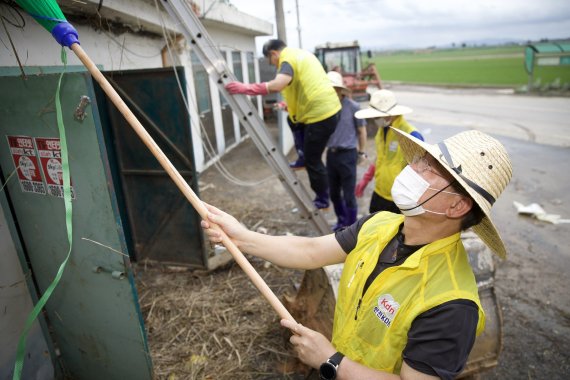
<point x="347" y="236"/>
<point x="440" y="339"/>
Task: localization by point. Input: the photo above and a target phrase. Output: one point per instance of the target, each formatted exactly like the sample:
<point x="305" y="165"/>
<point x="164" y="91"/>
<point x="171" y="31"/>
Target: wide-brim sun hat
<point x="382" y="104"/>
<point x="479" y="163"/>
<point x="336" y="80"/>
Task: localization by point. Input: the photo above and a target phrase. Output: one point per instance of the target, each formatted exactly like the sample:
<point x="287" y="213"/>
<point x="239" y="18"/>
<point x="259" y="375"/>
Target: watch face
<point x="327" y="371"/>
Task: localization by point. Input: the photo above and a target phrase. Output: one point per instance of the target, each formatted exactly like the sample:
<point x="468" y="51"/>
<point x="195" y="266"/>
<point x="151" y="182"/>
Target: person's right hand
<point x="216" y="220"/>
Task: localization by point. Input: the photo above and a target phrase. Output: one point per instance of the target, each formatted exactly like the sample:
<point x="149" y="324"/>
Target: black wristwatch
<point x="328" y="369"/>
<point x="362" y="154"/>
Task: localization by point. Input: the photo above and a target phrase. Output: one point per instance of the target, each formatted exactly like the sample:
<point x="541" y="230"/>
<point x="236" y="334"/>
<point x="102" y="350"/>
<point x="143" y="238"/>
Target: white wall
<point x="36" y="47"/>
<point x="233" y="41"/>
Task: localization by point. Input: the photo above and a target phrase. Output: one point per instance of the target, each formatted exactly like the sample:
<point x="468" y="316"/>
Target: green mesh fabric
<point x="43" y="8"/>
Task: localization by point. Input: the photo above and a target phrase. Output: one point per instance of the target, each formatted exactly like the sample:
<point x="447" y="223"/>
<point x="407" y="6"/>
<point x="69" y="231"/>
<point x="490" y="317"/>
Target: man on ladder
<point x="313" y="106"/>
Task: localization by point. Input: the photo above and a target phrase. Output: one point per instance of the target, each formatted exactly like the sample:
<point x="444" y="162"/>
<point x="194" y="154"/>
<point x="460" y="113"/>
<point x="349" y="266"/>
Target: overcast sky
<point x="415" y="23"/>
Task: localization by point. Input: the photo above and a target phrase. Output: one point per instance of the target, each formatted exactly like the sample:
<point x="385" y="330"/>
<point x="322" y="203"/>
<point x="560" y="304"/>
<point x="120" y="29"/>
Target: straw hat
<point x="382" y="104"/>
<point x="336" y="80"/>
<point x="479" y="163"/>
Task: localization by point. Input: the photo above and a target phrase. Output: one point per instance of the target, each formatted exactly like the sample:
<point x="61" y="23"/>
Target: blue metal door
<point x="93" y="315"/>
<point x="160" y="223"/>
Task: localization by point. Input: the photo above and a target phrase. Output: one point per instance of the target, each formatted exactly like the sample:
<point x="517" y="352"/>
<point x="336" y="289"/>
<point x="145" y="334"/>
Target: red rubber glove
<point x="247" y="88"/>
<point x="367" y="177"/>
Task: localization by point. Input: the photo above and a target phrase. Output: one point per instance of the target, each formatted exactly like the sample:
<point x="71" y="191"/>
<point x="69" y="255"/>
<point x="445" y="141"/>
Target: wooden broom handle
<point x="180" y="182"/>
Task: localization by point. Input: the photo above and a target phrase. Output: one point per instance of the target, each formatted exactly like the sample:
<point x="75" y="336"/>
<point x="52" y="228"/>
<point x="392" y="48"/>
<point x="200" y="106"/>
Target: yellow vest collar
<point x="413" y="260"/>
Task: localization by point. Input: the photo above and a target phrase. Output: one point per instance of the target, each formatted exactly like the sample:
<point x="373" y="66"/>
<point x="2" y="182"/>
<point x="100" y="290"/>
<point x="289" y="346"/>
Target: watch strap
<point x="336" y="359"/>
<point x="328" y="369"/>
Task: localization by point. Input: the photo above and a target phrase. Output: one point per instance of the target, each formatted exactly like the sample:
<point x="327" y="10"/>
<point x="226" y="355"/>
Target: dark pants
<point x="341" y="168"/>
<point x="316" y="138"/>
<point x="377" y="203"/>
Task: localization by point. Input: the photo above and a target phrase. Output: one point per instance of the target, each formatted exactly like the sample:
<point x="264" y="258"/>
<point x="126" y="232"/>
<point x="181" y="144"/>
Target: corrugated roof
<point x="551" y="47"/>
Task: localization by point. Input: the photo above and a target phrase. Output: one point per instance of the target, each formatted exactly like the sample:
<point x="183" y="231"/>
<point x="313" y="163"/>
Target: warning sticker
<point x="25" y="160"/>
<point x="50" y="158"/>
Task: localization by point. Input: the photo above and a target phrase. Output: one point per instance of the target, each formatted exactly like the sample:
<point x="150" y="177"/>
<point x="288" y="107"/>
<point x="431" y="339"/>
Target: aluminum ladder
<point x="219" y="72"/>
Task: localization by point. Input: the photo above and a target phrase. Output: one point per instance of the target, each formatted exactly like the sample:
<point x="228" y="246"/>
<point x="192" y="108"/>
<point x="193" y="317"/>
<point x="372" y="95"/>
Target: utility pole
<point x="280" y="21"/>
<point x="298" y="24"/>
<point x="285" y="136"/>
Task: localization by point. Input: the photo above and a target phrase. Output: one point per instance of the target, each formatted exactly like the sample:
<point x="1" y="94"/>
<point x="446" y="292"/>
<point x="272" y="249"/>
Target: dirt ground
<point x="239" y="336"/>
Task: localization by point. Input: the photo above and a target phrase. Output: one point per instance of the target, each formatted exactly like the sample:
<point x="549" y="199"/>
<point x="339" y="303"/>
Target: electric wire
<point x="13" y="48"/>
<point x="13" y="9"/>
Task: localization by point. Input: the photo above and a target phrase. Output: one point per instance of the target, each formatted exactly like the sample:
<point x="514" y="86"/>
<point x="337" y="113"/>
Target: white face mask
<point x="382" y="122"/>
<point x="407" y="190"/>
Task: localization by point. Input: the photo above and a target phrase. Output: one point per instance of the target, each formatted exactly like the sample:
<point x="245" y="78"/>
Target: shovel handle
<point x="180" y="182"/>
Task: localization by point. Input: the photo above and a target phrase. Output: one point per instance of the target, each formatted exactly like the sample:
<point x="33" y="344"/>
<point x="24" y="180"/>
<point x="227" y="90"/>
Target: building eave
<point x="141" y="15"/>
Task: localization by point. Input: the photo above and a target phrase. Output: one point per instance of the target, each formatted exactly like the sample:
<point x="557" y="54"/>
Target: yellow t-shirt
<point x="310" y="97"/>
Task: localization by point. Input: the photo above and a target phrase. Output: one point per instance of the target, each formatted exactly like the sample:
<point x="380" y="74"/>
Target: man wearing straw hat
<point x="385" y="112"/>
<point x="407" y="302"/>
<point x="343" y="156"/>
<point x="313" y="107"/>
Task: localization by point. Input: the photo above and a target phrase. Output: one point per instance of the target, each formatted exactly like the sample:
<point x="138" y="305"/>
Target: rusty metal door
<point x="160" y="223"/>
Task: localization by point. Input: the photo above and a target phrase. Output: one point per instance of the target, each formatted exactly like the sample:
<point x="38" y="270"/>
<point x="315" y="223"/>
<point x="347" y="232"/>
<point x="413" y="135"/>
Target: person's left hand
<point x="280" y="106"/>
<point x="362" y="156"/>
<point x="312" y="347"/>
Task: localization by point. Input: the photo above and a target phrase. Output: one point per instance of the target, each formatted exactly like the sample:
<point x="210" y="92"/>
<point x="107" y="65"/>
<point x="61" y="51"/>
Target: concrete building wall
<point x="227" y="40"/>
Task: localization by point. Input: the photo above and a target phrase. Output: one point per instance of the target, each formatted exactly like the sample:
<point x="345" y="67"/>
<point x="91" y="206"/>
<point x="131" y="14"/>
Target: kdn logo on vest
<point x="386" y="309"/>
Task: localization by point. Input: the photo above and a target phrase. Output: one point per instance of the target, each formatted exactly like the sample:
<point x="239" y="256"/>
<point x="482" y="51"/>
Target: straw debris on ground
<point x="214" y="325"/>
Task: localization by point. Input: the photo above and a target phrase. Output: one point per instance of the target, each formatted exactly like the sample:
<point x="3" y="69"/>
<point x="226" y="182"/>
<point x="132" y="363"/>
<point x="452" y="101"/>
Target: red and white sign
<point x="24" y="157"/>
<point x="50" y="158"/>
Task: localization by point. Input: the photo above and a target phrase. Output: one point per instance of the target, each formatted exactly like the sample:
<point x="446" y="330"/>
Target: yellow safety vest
<point x="310" y="97"/>
<point x="372" y="329"/>
<point x="389" y="158"/>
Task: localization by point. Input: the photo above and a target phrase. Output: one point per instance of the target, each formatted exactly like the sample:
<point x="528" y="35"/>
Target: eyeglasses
<point x="421" y="164"/>
<point x="444" y="191"/>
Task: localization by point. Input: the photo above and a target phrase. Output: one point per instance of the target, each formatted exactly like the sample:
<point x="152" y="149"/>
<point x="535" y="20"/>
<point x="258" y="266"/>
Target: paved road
<point x="544" y="120"/>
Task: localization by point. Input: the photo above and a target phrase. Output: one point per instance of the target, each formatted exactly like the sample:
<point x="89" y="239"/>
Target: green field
<point x="470" y="66"/>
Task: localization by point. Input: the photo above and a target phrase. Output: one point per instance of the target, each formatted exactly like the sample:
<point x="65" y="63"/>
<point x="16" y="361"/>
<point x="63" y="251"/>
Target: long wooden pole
<point x="180" y="182"/>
